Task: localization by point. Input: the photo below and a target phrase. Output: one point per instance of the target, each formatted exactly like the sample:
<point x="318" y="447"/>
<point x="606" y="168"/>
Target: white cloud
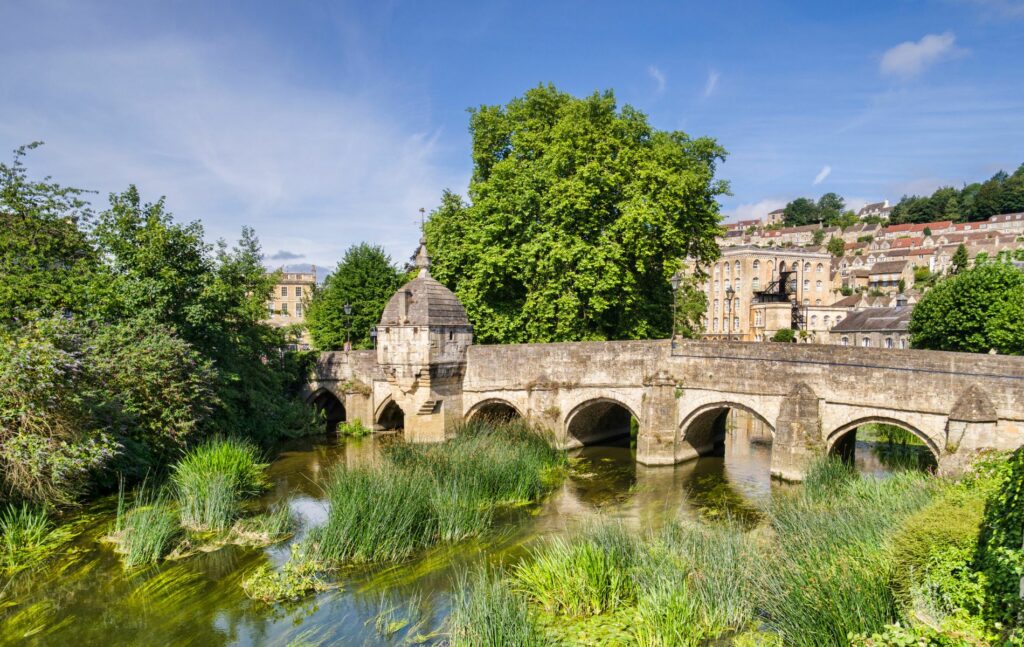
<point x="313" y="170"/>
<point x="754" y="210"/>
<point x="712" y="83"/>
<point x="659" y="78"/>
<point x="909" y="59"/>
<point x="822" y="174"/>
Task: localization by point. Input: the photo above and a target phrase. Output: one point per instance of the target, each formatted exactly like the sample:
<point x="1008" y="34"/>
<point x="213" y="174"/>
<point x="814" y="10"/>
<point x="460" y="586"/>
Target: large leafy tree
<point x="46" y="261"/>
<point x="365" y="279"/>
<point x="579" y="214"/>
<point x="973" y="311"/>
<point x="802" y="211"/>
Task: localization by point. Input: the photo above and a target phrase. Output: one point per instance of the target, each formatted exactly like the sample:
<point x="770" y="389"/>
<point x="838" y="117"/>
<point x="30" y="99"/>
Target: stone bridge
<point x="811" y="397"/>
<point x="426" y="376"/>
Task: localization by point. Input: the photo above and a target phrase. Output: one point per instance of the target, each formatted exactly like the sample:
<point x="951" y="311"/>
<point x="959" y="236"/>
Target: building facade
<point x="288" y="302"/>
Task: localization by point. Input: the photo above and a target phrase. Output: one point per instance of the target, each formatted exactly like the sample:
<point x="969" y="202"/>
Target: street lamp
<point x="675" y="281"/>
<point x="373" y="336"/>
<point x="348" y="314"/>
<point x="730" y="294"/>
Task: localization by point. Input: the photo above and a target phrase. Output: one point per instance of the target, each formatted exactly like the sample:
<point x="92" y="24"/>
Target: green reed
<point x="487" y="613"/>
<point x="211" y="480"/>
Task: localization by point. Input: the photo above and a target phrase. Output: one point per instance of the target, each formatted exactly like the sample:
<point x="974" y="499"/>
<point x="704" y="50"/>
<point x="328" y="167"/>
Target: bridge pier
<point x="797" y="434"/>
<point x="656" y="442"/>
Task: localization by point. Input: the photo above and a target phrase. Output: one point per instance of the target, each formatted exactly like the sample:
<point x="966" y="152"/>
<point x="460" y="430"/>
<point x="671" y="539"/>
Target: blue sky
<point x="325" y="124"/>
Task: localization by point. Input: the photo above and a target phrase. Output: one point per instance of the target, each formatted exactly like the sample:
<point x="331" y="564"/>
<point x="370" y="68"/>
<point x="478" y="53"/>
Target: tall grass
<point x="827" y="574"/>
<point x="211" y="480"/>
<point x="487" y="613"/>
<point x="27" y="536"/>
<point x="586" y="575"/>
<point x="146" y="529"/>
<point x="424" y="495"/>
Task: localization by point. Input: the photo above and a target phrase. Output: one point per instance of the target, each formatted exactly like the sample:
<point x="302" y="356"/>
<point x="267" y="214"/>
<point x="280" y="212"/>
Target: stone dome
<point x="423" y="301"/>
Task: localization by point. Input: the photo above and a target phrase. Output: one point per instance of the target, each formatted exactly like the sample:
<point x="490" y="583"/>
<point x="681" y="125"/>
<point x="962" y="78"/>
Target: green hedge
<point x="1000" y="552"/>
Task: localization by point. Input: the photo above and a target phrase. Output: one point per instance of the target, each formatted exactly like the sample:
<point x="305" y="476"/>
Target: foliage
<point x="836" y="246"/>
<point x="973" y="311"/>
<point x="960" y="261"/>
<point x="1001" y="193"/>
<point x="365" y="279"/>
<point x="784" y="335"/>
<point x="211" y="480"/>
<point x="1000" y="552"/>
<point x="355" y="429"/>
<point x="691" y="303"/>
<point x="46" y="261"/>
<point x="298" y="578"/>
<point x="487" y="613"/>
<point x="580" y="214"/>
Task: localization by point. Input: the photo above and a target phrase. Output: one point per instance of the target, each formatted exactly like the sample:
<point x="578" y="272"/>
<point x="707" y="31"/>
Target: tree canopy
<point x="365" y="279"/>
<point x="974" y="311"/>
<point x="1002" y="193"/>
<point x="579" y="213"/>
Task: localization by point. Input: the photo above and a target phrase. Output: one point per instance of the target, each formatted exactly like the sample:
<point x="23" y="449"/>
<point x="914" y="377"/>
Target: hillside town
<point x="771" y="278"/>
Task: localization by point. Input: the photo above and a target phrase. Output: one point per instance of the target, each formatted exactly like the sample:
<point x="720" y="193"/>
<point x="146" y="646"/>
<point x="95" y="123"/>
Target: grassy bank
<point x="842" y="559"/>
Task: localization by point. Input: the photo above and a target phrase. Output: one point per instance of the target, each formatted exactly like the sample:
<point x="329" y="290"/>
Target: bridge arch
<point x="496" y="409"/>
<point x="389" y="416"/>
<point x="330" y="405"/>
<point x="703" y="430"/>
<point x="841" y="441"/>
<point x="598" y="419"/>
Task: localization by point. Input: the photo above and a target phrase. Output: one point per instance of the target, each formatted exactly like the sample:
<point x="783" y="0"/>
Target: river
<point x="86" y="598"/>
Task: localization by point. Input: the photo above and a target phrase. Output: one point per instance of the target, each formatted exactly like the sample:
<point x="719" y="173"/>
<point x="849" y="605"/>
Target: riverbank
<point x="689" y="523"/>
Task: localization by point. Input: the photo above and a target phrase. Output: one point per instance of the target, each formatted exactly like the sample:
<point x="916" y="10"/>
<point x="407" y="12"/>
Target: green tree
<point x="836" y="246"/>
<point x="968" y="311"/>
<point x="801" y="211"/>
<point x="365" y="279"/>
<point x="830" y="207"/>
<point x="46" y="261"/>
<point x="691" y="305"/>
<point x="580" y="213"/>
<point x="1005" y="325"/>
<point x="960" y="261"/>
<point x="819" y="237"/>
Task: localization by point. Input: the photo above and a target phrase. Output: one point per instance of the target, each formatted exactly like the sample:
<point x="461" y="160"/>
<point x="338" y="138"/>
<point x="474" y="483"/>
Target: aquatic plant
<point x="211" y="480"/>
<point x="146" y="530"/>
<point x="27" y="536"/>
<point x="488" y="613"/>
<point x="264" y="529"/>
<point x="354" y="429"/>
<point x="586" y="575"/>
<point x="299" y="577"/>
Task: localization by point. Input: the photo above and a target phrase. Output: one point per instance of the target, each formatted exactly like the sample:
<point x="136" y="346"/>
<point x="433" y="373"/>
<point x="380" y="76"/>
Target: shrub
<point x="786" y="335"/>
<point x="211" y="480"/>
<point x="356" y="429"/>
<point x="1000" y="552"/>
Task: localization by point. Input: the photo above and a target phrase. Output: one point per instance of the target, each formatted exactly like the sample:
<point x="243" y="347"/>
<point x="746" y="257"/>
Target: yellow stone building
<point x="288" y="302"/>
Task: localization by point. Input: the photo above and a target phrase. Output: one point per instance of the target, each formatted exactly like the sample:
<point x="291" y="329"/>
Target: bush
<point x="1000" y="553"/>
<point x="212" y="479"/>
<point x="786" y="335"/>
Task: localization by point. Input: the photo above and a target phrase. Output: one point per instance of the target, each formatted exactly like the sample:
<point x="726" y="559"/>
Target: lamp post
<point x="730" y="294"/>
<point x="676" y="281"/>
<point x="373" y="336"/>
<point x="348" y="328"/>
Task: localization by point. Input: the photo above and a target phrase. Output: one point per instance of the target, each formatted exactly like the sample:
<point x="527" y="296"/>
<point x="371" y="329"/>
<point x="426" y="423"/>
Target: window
<point x="716" y="271"/>
<point x="736" y="305"/>
<point x="736" y="324"/>
<point x="820" y="267"/>
<point x="298" y="290"/>
<point x="888" y="342"/>
<point x="755" y="283"/>
<point x="716" y="285"/>
<point x="865" y="342"/>
<point x="757" y="265"/>
<point x="714" y="325"/>
<point x="903" y="343"/>
<point x="757" y="318"/>
<point x="814" y="320"/>
<point x="298" y="309"/>
<point x="817" y="302"/>
<point x="782" y="266"/>
<point x="825" y="321"/>
<point x="739" y="284"/>
<point x="725" y="325"/>
<point x="807" y="302"/>
<point x="270" y="309"/>
<point x="817" y="286"/>
<point x="736" y="266"/>
<point x="807" y="268"/>
<point x="284" y="308"/>
<point x="284" y="290"/>
<point x="727" y="284"/>
<point x="807" y="284"/>
<point x="845" y="341"/>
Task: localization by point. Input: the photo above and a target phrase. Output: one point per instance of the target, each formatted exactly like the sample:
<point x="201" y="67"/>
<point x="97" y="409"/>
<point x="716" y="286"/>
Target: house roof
<point x="893" y="319"/>
<point x="889" y="267"/>
<point x="910" y="227"/>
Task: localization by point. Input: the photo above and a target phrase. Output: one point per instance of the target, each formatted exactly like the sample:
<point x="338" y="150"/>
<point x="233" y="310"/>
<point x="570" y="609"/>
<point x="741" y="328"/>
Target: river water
<point x="86" y="598"/>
